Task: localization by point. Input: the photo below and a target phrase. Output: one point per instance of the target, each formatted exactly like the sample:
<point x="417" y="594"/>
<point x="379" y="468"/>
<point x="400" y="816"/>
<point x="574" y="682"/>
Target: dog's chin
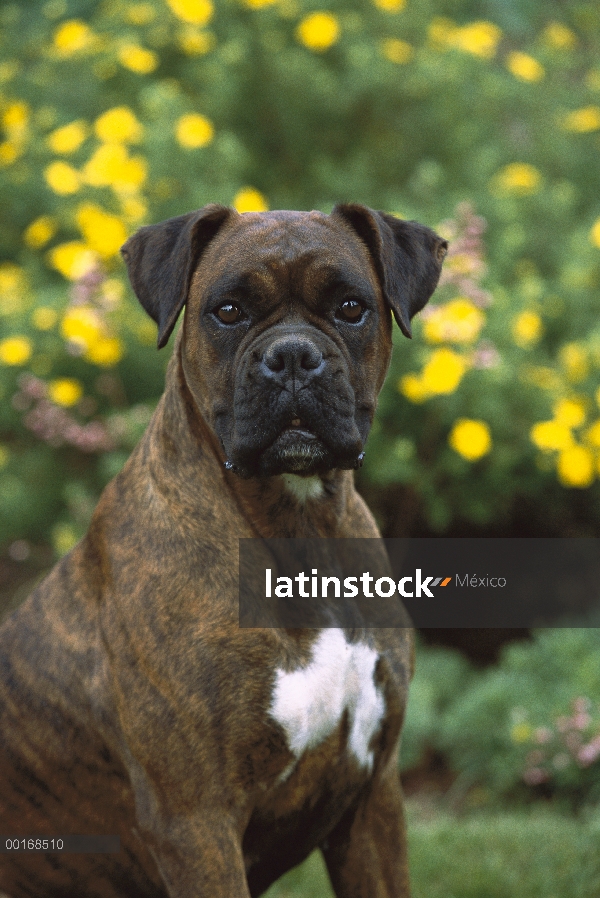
<point x="296" y="451"/>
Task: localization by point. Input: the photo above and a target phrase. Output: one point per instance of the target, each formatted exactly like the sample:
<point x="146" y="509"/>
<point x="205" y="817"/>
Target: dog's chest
<point x="310" y="702"/>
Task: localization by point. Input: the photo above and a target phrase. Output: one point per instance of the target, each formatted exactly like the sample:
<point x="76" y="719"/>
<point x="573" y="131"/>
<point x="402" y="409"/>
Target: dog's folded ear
<point x="407" y="257"/>
<point x="161" y="260"/>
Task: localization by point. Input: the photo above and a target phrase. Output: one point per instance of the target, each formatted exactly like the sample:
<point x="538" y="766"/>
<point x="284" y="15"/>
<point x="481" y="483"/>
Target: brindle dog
<point x="131" y="701"/>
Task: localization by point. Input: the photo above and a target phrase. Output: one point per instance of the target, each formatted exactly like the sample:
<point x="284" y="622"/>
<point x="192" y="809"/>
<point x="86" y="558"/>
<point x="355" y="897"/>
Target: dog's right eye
<point x="229" y="313"/>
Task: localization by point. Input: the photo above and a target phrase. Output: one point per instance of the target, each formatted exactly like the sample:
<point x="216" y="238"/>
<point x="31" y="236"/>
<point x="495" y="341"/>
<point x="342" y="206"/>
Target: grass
<point x="509" y="854"/>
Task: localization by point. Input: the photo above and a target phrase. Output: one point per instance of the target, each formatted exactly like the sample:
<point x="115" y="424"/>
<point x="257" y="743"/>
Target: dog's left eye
<point x="351" y="310"/>
<point x="229" y="313"/>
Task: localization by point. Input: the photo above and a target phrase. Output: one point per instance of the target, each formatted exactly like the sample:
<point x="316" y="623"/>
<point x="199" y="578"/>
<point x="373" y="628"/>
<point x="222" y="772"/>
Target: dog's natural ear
<point x="161" y="259"/>
<point x="407" y="257"/>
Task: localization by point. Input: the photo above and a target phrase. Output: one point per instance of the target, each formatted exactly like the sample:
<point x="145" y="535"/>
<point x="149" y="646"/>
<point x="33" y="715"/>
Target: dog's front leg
<point x="366" y="853"/>
<point x="199" y="856"/>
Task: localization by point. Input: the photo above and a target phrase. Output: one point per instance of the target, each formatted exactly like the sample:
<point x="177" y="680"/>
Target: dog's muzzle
<point x="293" y="410"/>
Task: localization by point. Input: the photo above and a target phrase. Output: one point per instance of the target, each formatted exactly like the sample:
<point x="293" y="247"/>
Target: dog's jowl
<point x="131" y="702"/>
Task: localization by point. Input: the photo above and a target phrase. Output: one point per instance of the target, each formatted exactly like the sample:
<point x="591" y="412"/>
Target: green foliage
<point x="441" y="675"/>
<point x="411" y="107"/>
<point x="526" y="727"/>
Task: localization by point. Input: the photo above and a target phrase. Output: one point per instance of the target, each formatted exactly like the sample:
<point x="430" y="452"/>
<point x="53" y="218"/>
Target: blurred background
<point x="480" y="119"/>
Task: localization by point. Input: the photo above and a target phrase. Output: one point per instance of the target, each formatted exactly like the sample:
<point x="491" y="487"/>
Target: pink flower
<point x="543" y="735"/>
<point x="589" y="753"/>
<point x="533" y="776"/>
<point x="581" y="705"/>
<point x="581" y="720"/>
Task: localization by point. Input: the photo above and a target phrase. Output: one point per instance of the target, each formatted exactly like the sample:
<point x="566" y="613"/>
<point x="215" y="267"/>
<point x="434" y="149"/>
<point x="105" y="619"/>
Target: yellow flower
<point x="570" y="412"/>
<point x="524" y="67"/>
<point x="137" y="59"/>
<point x="15" y="350"/>
<point x="196" y="43"/>
<point x="592" y="434"/>
<point x="595" y="233"/>
<point x="576" y="467"/>
<point x="440" y="32"/>
<point x="443" y="372"/>
<point x="66" y="391"/>
<point x="461" y="263"/>
<point x="68" y="138"/>
<point x="583" y="120"/>
<point x="250" y="200"/>
<point x="63" y="538"/>
<point x="8" y="70"/>
<point x="141" y="14"/>
<point x="542" y="376"/>
<point x="73" y="259"/>
<point x="551" y="435"/>
<point x="118" y="125"/>
<point x="101" y="231"/>
<point x="397" y="51"/>
<point x="193" y="131"/>
<point x="478" y="38"/>
<point x="113" y="291"/>
<point x="73" y="37"/>
<point x="134" y="208"/>
<point x="15" y="119"/>
<point x="62" y="178"/>
<point x="411" y="386"/>
<point x="471" y="439"/>
<point x="8" y="152"/>
<point x="106" y="352"/>
<point x="40" y="231"/>
<point x="318" y="31"/>
<point x="517" y="179"/>
<point x="12" y="279"/>
<point x="82" y="325"/>
<point x="521" y="732"/>
<point x="196" y="12"/>
<point x="459" y="321"/>
<point x="527" y="329"/>
<point x="43" y="318"/>
<point x="575" y="361"/>
<point x="559" y="36"/>
<point x="390" y="5"/>
<point x="110" y="166"/>
<point x="4" y="456"/>
<point x="258" y="4"/>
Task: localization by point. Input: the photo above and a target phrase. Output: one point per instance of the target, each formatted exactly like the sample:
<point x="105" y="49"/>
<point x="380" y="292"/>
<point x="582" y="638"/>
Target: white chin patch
<point x="303" y="488"/>
<point x="309" y="703"/>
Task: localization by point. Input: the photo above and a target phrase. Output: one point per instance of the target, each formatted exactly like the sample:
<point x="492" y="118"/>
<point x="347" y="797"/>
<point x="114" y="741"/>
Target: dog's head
<point x="287" y="331"/>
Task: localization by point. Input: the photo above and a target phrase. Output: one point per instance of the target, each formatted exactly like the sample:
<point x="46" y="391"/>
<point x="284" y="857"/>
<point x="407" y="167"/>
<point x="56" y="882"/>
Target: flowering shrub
<point x="524" y="728"/>
<point x="561" y="751"/>
<point x="115" y="115"/>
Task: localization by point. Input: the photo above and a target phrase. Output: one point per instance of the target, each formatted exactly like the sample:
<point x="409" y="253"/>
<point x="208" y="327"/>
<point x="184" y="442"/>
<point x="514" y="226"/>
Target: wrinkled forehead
<point x="291" y="249"/>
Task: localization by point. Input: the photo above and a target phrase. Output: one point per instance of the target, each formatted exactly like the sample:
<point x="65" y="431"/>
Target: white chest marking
<point x="303" y="488"/>
<point x="309" y="703"/>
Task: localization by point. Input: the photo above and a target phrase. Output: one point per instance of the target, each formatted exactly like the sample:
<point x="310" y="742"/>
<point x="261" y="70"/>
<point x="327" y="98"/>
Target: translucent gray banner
<point x="59" y="844"/>
<point x="420" y="582"/>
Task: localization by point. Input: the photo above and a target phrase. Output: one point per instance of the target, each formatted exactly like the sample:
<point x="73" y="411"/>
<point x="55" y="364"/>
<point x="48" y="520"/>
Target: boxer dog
<point x="132" y="702"/>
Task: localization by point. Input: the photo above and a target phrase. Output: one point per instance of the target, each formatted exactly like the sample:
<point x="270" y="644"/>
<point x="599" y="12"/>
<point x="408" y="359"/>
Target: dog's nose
<point x="292" y="356"/>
